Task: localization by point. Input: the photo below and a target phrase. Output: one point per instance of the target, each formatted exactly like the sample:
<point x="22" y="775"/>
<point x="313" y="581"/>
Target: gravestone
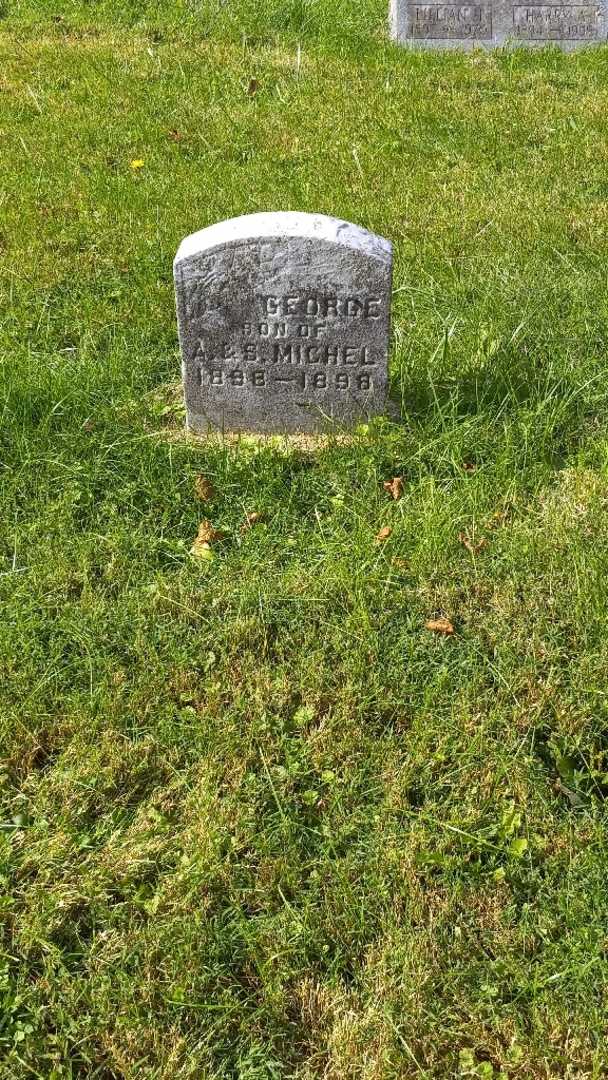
<point x="498" y="22"/>
<point x="283" y="323"/>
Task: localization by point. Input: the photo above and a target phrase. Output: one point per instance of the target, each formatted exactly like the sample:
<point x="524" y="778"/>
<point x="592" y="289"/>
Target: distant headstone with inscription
<point x="283" y="323"/>
<point x="499" y="22"/>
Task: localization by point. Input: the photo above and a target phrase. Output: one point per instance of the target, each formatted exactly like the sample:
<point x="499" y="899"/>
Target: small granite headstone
<point x="499" y="22"/>
<point x="283" y="323"/>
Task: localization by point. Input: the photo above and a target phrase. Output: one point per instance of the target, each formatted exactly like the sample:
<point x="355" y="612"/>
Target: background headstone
<point x="499" y="22"/>
<point x="283" y="323"/>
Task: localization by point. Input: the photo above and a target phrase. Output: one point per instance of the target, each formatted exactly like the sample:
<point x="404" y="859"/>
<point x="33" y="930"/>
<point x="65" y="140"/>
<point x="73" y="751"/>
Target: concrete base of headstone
<point x="284" y="324"/>
<point x="493" y="23"/>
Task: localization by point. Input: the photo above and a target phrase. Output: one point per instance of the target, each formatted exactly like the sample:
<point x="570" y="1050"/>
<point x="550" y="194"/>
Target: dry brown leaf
<point x="253" y="87"/>
<point x="201" y="548"/>
<point x="383" y="534"/>
<point x="469" y="466"/>
<point x="473" y="547"/>
<point x="175" y="136"/>
<point x="207" y="534"/>
<point x="394" y="487"/>
<point x="440" y="626"/>
<point x="252" y="519"/>
<point x="204" y="488"/>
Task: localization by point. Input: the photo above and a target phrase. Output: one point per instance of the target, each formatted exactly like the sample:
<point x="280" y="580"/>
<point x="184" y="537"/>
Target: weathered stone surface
<point x="499" y="22"/>
<point x="283" y="323"/>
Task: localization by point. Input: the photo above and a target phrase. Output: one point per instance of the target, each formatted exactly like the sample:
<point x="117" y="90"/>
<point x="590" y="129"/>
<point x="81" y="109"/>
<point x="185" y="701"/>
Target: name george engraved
<point x="201" y="301"/>
<point x="556" y="22"/>
<point x="323" y="307"/>
<point x="472" y="21"/>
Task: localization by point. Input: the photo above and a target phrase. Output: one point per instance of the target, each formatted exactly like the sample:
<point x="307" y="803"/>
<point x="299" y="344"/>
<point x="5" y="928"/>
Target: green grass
<point x="257" y="821"/>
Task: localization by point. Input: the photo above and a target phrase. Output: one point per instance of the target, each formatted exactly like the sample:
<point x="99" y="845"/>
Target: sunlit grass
<point x="257" y="820"/>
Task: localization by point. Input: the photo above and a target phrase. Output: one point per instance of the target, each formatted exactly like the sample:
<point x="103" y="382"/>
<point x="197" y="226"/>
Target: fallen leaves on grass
<point x="472" y="546"/>
<point x="203" y="488"/>
<point x="252" y="519"/>
<point x="207" y="534"/>
<point x="440" y="626"/>
<point x="175" y="136"/>
<point x="383" y="534"/>
<point x="394" y="487"/>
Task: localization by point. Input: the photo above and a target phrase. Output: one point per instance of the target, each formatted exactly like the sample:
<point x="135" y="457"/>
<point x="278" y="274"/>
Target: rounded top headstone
<point x="285" y="224"/>
<point x="283" y="323"/>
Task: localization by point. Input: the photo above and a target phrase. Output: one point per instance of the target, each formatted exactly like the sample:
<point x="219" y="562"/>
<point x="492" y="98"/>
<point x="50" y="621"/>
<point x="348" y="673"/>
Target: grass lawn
<point x="259" y="822"/>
